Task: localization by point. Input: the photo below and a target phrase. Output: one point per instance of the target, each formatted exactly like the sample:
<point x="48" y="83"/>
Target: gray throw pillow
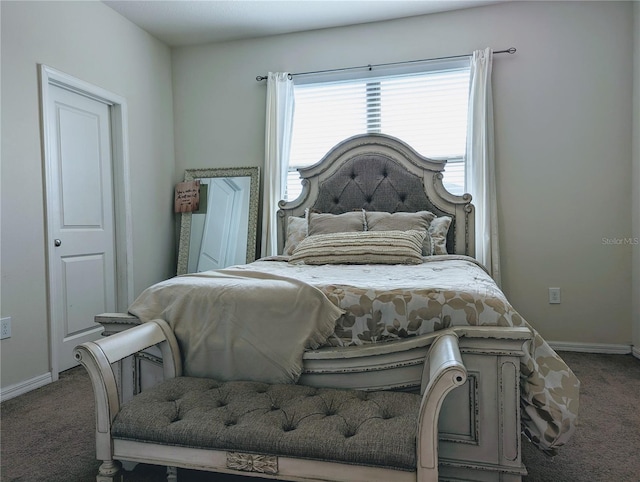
<point x="323" y="223"/>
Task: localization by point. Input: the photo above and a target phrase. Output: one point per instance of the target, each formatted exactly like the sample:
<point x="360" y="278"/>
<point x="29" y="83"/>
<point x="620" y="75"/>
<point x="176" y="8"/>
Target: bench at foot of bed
<point x="281" y="431"/>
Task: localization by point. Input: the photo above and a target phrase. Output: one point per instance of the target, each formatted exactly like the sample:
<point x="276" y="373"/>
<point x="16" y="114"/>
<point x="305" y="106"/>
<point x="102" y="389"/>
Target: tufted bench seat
<point x="280" y="430"/>
<point x="377" y="428"/>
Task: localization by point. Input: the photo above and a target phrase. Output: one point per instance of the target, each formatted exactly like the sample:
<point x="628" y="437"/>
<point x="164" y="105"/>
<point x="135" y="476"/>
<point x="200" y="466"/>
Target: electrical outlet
<point x="554" y="295"/>
<point x="5" y="328"/>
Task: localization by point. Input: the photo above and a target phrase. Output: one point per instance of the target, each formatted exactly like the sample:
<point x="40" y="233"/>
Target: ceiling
<point x="189" y="22"/>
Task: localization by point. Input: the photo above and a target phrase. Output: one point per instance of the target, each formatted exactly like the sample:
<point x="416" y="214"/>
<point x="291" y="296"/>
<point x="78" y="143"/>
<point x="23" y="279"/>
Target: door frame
<point x="121" y="190"/>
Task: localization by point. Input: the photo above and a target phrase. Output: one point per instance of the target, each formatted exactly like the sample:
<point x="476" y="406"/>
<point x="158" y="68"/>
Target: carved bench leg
<point x="172" y="474"/>
<point x="109" y="471"/>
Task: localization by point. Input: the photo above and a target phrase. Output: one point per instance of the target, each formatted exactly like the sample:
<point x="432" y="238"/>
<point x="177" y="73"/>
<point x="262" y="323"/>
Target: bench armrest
<point x="443" y="371"/>
<point x="98" y="356"/>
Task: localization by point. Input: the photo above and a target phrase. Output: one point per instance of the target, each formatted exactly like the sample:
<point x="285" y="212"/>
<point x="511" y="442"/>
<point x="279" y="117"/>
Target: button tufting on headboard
<point x="374" y="182"/>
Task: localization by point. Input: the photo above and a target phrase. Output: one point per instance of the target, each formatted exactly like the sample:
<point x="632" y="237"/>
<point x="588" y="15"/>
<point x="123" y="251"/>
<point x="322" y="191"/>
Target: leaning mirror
<point x="223" y="230"/>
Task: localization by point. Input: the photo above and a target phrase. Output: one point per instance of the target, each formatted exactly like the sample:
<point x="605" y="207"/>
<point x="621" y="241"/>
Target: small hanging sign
<point x="187" y="197"/>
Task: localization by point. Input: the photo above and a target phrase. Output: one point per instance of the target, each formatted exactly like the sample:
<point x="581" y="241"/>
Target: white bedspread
<point x="240" y="325"/>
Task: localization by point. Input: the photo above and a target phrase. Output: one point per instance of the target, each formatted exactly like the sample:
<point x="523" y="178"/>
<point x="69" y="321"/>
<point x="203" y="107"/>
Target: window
<point x="427" y="109"/>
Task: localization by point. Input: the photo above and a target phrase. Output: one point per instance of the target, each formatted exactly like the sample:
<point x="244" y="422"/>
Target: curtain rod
<point x="511" y="50"/>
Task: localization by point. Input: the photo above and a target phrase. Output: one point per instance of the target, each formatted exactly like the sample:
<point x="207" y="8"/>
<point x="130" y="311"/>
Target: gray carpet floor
<point x="47" y="434"/>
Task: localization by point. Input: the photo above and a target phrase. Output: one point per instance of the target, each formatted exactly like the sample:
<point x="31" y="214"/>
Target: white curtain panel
<point x="480" y="166"/>
<point x="279" y="125"/>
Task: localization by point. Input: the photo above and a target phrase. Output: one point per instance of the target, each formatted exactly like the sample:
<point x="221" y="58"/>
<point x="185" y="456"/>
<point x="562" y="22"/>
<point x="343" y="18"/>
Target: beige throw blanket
<point x="241" y="325"/>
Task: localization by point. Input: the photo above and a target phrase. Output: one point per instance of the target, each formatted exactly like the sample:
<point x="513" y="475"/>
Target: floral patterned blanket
<point x="390" y="302"/>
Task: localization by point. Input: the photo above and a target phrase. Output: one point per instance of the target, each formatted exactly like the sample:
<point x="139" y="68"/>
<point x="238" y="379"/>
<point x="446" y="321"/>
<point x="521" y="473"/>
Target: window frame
<point x="373" y="93"/>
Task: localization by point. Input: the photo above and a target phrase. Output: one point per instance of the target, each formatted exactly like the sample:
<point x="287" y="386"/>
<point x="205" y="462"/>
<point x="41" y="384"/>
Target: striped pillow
<point x="368" y="247"/>
<point x="402" y="221"/>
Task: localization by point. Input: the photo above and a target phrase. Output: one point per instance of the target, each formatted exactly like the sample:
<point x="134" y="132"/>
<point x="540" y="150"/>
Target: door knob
<point x="57" y="242"/>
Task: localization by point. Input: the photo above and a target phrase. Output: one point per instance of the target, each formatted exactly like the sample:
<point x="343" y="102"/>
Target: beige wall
<point x="90" y="42"/>
<point x="563" y="136"/>
<point x="635" y="179"/>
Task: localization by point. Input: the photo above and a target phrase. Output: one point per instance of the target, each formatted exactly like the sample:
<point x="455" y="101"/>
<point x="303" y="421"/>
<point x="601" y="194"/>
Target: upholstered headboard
<point x="377" y="172"/>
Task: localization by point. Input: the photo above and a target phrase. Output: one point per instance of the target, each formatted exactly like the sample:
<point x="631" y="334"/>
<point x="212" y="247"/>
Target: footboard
<point x="479" y="426"/>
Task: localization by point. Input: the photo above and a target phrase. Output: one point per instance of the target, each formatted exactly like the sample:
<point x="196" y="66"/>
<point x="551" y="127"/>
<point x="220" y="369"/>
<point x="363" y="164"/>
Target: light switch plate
<point x="554" y="295"/>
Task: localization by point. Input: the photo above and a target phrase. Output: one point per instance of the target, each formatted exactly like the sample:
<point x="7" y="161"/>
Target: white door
<point x="219" y="235"/>
<point x="80" y="219"/>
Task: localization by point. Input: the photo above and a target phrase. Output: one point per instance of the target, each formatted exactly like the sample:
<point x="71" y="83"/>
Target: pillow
<point x="322" y="223"/>
<point x="402" y="221"/>
<point x="296" y="232"/>
<point x="438" y="230"/>
<point x="367" y="247"/>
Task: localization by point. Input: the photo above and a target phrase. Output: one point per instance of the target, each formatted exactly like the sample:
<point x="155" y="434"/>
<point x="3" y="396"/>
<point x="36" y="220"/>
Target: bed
<point x="377" y="234"/>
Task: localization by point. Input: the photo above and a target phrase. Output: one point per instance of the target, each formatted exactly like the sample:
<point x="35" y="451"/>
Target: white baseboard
<point x="635" y="351"/>
<point x="610" y="348"/>
<point x="21" y="388"/>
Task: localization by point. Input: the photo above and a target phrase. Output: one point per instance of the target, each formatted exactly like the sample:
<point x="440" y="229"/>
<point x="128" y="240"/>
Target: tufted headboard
<point x="377" y="172"/>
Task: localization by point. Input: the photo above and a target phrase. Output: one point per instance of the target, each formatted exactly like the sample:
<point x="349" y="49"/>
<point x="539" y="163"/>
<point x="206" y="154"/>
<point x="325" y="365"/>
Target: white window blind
<point x="427" y="110"/>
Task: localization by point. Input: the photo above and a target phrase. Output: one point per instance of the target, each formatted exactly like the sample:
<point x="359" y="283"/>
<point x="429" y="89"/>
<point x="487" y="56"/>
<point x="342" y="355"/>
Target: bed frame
<point x="479" y="428"/>
<point x="480" y="422"/>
